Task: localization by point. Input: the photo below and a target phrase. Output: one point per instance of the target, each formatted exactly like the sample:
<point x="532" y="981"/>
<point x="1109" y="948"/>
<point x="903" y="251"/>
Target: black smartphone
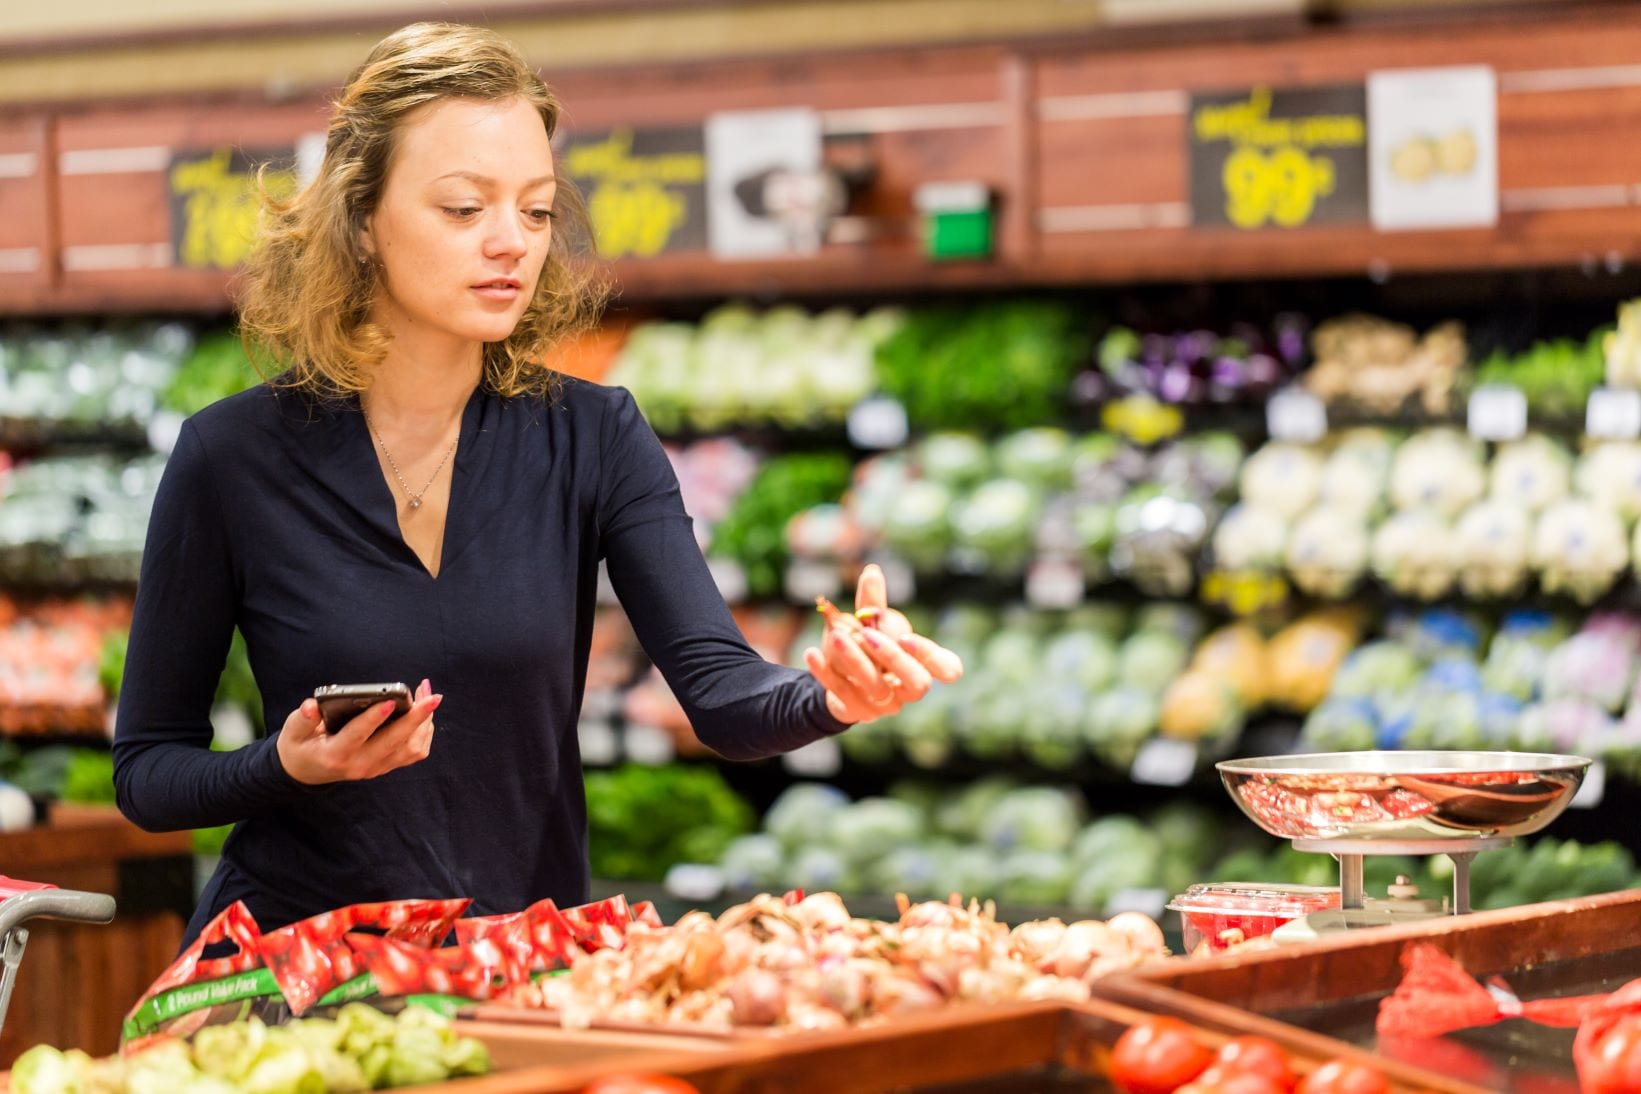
<point x="339" y="704"/>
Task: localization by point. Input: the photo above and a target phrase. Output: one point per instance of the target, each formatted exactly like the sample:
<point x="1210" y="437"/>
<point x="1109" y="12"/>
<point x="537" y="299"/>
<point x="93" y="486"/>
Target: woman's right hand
<point x="362" y="749"/>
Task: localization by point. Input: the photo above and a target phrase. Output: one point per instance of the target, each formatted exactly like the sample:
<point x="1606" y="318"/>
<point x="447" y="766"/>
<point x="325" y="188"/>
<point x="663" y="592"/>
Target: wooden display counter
<point x="1326" y="993"/>
<point x="76" y="981"/>
<point x="1011" y="1047"/>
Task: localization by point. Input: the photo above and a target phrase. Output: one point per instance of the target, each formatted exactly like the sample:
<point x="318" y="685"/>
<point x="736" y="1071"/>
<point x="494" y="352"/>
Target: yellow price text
<point x="1249" y="122"/>
<point x="1281" y="187"/>
<point x="220" y="209"/>
<point x="636" y="219"/>
<point x="633" y="208"/>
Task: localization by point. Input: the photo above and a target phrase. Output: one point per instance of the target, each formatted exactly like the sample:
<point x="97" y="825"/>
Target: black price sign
<point x="646" y="189"/>
<point x="1279" y="159"/>
<point x="215" y="202"/>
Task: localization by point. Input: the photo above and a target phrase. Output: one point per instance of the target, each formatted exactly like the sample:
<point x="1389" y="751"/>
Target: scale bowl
<point x="1404" y="795"/>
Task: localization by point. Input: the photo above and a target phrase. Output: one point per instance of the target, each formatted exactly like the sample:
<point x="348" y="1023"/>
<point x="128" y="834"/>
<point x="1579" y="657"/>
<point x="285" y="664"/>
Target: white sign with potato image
<point x="1433" y="148"/>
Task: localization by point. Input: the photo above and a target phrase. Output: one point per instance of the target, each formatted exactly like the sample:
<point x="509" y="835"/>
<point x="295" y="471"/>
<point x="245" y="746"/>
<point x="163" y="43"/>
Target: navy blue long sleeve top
<point x="274" y="516"/>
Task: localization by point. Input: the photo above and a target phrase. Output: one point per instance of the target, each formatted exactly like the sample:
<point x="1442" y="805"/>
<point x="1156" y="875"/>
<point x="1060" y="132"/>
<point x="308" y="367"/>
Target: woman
<point x="417" y="497"/>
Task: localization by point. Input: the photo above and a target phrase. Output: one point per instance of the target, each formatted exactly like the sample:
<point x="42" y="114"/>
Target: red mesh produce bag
<point x="311" y="957"/>
<point x="1437" y="996"/>
<point x="469" y="969"/>
<point x="233" y="924"/>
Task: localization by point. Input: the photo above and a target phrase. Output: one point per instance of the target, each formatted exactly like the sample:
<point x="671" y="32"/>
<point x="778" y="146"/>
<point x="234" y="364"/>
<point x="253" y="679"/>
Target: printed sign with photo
<point x="1433" y="148"/>
<point x="765" y="186"/>
<point x="645" y="188"/>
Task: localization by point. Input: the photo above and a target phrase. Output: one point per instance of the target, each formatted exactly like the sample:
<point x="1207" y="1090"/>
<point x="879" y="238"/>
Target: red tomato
<point x="639" y="1083"/>
<point x="1218" y="1081"/>
<point x="1158" y="1056"/>
<point x="1257" y="1056"/>
<point x="1608" y="1055"/>
<point x="1344" y="1077"/>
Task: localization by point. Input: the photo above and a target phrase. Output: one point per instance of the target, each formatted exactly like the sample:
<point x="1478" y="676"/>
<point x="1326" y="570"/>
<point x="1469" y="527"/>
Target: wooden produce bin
<point x="1039" y="1047"/>
<point x="1325" y="994"/>
<point x="77" y="981"/>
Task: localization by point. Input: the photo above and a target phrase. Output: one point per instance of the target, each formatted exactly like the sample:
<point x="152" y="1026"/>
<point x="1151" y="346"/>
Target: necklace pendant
<point x="415" y="503"/>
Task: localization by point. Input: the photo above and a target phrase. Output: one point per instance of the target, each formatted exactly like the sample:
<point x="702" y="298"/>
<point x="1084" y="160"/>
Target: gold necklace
<point x="415" y="499"/>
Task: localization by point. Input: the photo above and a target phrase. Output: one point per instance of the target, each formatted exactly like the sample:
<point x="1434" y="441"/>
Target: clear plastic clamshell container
<point x="1217" y="916"/>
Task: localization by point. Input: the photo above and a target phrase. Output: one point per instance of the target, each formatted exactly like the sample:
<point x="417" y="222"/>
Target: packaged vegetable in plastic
<point x="996" y="522"/>
<point x="1250" y="538"/>
<point x="1150" y="659"/>
<point x="1579" y="549"/>
<point x="1182" y="621"/>
<point x="870" y="827"/>
<point x="1594" y="666"/>
<point x="927" y="730"/>
<point x="1356" y="473"/>
<point x="988" y="727"/>
<point x="1445" y="720"/>
<point x="1034" y="877"/>
<point x="1493" y="540"/>
<point x="915" y="871"/>
<point x="1341" y="725"/>
<point x="1041" y="456"/>
<point x="1085" y="657"/>
<point x="1327" y="552"/>
<point x="753" y="862"/>
<point x="1051" y="735"/>
<point x="871" y="742"/>
<point x="960" y="461"/>
<point x="1532" y="472"/>
<point x="1374" y="669"/>
<point x="1199" y="705"/>
<point x="1160" y="534"/>
<point x="1416" y="554"/>
<point x="802" y="811"/>
<point x="962" y="816"/>
<point x="1564" y="725"/>
<point x="1111" y="836"/>
<point x="918" y="528"/>
<point x="1609" y="474"/>
<point x="1438" y="633"/>
<point x="1622" y="347"/>
<point x="1305" y="655"/>
<point x="1282" y="478"/>
<point x="1035" y="818"/>
<point x="1236" y="654"/>
<point x="1118" y="722"/>
<point x="1440" y="470"/>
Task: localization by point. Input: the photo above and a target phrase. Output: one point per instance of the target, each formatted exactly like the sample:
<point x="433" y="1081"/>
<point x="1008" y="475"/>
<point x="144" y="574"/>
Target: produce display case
<point x="1325" y="994"/>
<point x="1041" y="1047"/>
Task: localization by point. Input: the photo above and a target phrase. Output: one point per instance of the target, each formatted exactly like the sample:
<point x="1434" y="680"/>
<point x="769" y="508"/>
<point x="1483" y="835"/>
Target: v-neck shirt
<point x="273" y="516"/>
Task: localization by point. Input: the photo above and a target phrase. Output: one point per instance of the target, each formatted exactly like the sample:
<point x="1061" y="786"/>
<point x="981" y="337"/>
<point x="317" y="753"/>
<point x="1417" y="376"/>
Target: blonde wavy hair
<point x="305" y="299"/>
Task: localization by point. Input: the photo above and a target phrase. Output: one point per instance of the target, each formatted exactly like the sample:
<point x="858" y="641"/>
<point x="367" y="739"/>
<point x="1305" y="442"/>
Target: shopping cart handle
<point x="55" y="904"/>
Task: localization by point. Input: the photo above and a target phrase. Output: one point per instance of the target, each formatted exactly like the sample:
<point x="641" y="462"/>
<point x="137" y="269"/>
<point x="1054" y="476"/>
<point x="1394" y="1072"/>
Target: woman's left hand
<point x="872" y="671"/>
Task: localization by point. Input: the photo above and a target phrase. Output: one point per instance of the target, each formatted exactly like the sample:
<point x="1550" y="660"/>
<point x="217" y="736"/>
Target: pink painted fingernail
<point x="873" y="638"/>
<point x="433" y="703"/>
<point x="385" y="707"/>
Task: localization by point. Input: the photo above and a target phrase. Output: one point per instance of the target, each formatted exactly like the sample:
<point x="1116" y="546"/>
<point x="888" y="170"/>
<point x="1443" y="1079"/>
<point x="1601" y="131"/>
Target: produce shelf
<point x="32" y="435"/>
